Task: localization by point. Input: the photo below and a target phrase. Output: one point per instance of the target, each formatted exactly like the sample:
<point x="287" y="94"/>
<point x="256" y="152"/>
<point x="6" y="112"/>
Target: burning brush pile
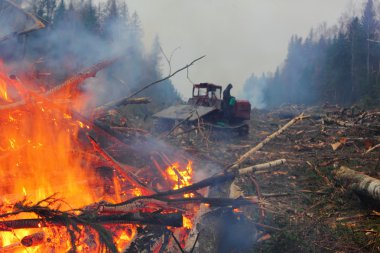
<point x="71" y="183"/>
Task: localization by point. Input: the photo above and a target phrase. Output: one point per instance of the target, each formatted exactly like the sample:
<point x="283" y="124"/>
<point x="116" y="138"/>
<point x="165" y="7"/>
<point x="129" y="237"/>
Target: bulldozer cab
<point x="206" y="94"/>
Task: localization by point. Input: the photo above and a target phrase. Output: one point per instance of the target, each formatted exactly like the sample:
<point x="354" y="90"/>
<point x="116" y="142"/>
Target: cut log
<point x="33" y="239"/>
<point x="363" y="185"/>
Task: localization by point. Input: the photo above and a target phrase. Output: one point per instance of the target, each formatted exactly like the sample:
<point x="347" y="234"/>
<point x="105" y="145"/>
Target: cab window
<point x="200" y="92"/>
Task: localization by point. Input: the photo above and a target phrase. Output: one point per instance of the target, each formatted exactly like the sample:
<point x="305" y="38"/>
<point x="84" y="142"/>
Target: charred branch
<point x="211" y="181"/>
<point x="165" y="78"/>
<point x="72" y="83"/>
<point x="171" y="219"/>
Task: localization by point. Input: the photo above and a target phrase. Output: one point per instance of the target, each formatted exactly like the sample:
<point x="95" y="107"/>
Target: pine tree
<point x="89" y="18"/>
<point x="60" y="13"/>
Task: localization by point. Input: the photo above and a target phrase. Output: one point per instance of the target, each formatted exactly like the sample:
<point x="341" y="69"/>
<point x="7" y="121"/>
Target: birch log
<point x="360" y="183"/>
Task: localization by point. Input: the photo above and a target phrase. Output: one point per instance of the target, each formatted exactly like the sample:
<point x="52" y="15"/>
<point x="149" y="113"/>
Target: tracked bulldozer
<point x="206" y="108"/>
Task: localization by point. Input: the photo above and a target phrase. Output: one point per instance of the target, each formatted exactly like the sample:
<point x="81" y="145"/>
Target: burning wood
<point x="33" y="239"/>
<point x="171" y="219"/>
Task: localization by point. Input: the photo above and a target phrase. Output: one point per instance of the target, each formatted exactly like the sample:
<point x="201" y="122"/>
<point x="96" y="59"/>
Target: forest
<point x="334" y="65"/>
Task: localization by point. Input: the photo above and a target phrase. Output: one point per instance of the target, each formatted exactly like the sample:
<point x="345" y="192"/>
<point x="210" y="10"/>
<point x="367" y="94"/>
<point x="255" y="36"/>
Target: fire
<point x="180" y="177"/>
<point x="3" y="90"/>
<point x="38" y="143"/>
<point x="187" y="223"/>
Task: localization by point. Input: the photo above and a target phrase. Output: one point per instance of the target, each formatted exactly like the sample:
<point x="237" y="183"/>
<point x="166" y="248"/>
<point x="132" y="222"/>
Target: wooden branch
<point x="179" y="124"/>
<point x="262" y="166"/>
<point x="123" y="102"/>
<point x="177" y="242"/>
<point x="191" y="188"/>
<point x="236" y="164"/>
<point x="74" y="81"/>
<point x="165" y="78"/>
<point x="131" y="207"/>
<point x="373" y="148"/>
<point x="360" y="183"/>
<point x="338" y="122"/>
<point x="219" y="202"/>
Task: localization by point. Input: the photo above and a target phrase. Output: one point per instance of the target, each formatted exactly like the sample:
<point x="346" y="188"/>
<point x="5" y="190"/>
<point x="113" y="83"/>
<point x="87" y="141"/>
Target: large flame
<point x="40" y="156"/>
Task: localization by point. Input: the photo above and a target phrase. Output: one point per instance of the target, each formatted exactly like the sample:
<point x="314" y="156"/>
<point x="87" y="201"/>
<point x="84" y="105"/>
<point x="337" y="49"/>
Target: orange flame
<point x="39" y="146"/>
<point x="3" y="89"/>
<point x="180" y="177"/>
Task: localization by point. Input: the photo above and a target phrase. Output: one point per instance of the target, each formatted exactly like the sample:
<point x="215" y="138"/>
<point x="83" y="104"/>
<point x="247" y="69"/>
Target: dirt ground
<point x="305" y="208"/>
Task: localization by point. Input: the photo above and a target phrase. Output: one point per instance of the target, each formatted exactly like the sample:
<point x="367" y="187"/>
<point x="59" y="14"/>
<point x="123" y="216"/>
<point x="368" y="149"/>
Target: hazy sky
<point x="239" y="37"/>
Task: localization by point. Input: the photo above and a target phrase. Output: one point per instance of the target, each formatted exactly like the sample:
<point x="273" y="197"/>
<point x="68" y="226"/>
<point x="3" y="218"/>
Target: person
<point x="227" y="107"/>
<point x="227" y="94"/>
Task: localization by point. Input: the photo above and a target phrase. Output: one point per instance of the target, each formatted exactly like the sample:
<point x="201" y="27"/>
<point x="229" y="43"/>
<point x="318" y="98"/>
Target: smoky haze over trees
<point x="78" y="34"/>
<point x="338" y="65"/>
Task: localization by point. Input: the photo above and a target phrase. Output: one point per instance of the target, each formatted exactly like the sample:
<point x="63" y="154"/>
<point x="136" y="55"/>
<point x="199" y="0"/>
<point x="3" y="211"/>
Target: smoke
<point x="253" y="90"/>
<point x="76" y="37"/>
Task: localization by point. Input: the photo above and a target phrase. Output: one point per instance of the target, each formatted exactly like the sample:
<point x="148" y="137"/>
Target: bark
<point x="360" y="183"/>
<point x="236" y="164"/>
<point x="33" y="239"/>
<point x="262" y="166"/>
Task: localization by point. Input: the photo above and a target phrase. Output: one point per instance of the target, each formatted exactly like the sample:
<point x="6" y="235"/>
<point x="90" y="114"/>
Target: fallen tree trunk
<point x="362" y="184"/>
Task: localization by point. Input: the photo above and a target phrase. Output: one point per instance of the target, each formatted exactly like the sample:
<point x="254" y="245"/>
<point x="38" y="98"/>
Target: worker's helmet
<point x="229" y="86"/>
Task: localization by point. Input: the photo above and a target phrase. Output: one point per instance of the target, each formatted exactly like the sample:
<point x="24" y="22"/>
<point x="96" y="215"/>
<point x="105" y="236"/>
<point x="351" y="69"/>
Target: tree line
<point x="336" y="65"/>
